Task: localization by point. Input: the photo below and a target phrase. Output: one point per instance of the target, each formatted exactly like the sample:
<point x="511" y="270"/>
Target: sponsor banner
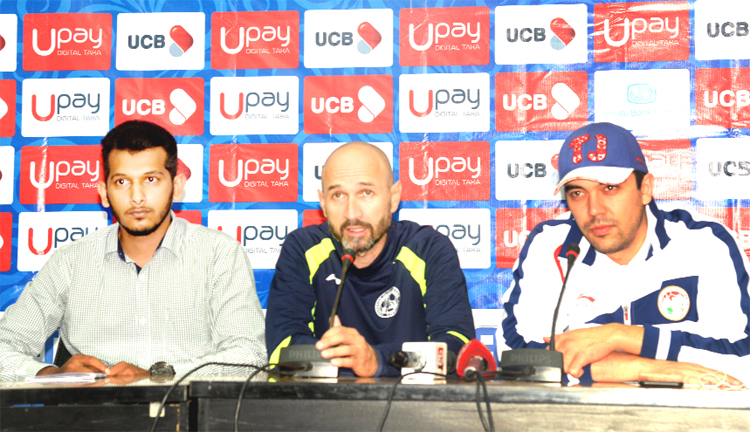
<point x="513" y="226"/>
<point x="445" y="171"/>
<point x="8" y="42"/>
<point x="7" y="108"/>
<point x="735" y="218"/>
<point x="192" y="216"/>
<point x="260" y="232"/>
<point x="444" y="36"/>
<point x="641" y="31"/>
<point x="526" y="170"/>
<point x="313" y="217"/>
<point x="6" y="240"/>
<point x="722" y="168"/>
<point x="161" y="41"/>
<point x="444" y="102"/>
<point x="65" y="107"/>
<point x="555" y="34"/>
<point x="67" y="41"/>
<point x="60" y="174"/>
<point x="255" y="105"/>
<point x="722" y="97"/>
<point x="468" y="230"/>
<point x="314" y="155"/>
<point x="190" y="164"/>
<point x="541" y="101"/>
<point x="348" y="38"/>
<point x="348" y="104"/>
<point x="253" y="173"/>
<point x="40" y="234"/>
<point x="721" y="27"/>
<point x="671" y="163"/>
<point x="176" y="104"/>
<point x="7" y="174"/>
<point x="255" y="40"/>
<point x="653" y="99"/>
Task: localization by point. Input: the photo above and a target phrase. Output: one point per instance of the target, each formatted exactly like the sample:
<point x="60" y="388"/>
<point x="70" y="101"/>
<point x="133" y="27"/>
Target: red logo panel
<point x="67" y="41"/>
<point x="722" y="97"/>
<point x="313" y="217"/>
<point x="176" y="104"/>
<point x="541" y="101"/>
<point x="445" y="36"/>
<point x="6" y="243"/>
<point x="192" y="216"/>
<point x="513" y="226"/>
<point x="671" y="163"/>
<point x="255" y="40"/>
<point x="7" y="108"/>
<point x="648" y="31"/>
<point x="348" y="104"/>
<point x="60" y="174"/>
<point x="253" y="173"/>
<point x="445" y="171"/>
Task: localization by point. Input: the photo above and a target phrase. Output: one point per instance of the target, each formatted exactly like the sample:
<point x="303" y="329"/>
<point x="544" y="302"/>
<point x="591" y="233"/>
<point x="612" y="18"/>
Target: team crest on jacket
<point x="674" y="303"/>
<point x="386" y="305"/>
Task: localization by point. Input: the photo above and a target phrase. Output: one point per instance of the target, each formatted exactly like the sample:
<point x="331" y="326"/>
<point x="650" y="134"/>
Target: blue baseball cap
<point x="601" y="152"/>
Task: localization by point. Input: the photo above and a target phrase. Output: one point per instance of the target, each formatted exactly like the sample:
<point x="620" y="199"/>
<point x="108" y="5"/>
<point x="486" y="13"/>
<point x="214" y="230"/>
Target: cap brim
<point x="604" y="175"/>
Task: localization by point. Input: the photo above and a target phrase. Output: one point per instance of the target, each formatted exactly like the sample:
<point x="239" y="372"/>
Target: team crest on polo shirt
<point x="674" y="303"/>
<point x="386" y="305"/>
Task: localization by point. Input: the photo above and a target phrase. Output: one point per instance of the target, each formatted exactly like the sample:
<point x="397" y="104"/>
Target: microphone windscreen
<point x="474" y="349"/>
<point x="348" y="254"/>
<point x="573" y="248"/>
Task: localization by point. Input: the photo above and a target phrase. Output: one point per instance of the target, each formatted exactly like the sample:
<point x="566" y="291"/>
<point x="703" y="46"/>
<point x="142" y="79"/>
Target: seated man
<point x="149" y="288"/>
<point x="655" y="295"/>
<point x="405" y="284"/>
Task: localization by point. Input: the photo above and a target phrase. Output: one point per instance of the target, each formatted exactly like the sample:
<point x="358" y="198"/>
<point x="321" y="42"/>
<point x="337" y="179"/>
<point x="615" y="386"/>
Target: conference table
<point x="273" y="403"/>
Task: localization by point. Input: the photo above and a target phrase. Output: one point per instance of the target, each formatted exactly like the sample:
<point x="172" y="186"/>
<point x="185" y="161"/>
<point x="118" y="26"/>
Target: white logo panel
<point x="260" y="232"/>
<point x="191" y="158"/>
<point x="526" y="170"/>
<point x="314" y="155"/>
<point x="468" y="230"/>
<point x="655" y="99"/>
<point x="722" y="29"/>
<point x="41" y="234"/>
<point x="8" y="42"/>
<point x="722" y="168"/>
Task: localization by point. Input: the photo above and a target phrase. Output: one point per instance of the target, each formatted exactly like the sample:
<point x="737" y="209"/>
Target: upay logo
<point x="444" y="102"/>
<point x="254" y="105"/>
<point x="722" y="97"/>
<point x="161" y="41"/>
<point x="255" y="40"/>
<point x="648" y="31"/>
<point x="7" y="174"/>
<point x="8" y="36"/>
<point x="444" y="36"/>
<point x="721" y="29"/>
<point x="348" y="104"/>
<point x="60" y="174"/>
<point x="40" y="234"/>
<point x="671" y="163"/>
<point x="7" y="108"/>
<point x="445" y="171"/>
<point x="173" y="103"/>
<point x="344" y="38"/>
<point x="67" y="41"/>
<point x="467" y="229"/>
<point x="65" y="107"/>
<point x="722" y="168"/>
<point x="514" y="226"/>
<point x="539" y="101"/>
<point x="253" y="173"/>
<point x="526" y="170"/>
<point x="260" y="232"/>
<point x="541" y="34"/>
<point x="6" y="240"/>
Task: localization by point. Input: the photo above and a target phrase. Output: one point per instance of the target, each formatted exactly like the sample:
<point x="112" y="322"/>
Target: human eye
<point x="367" y="192"/>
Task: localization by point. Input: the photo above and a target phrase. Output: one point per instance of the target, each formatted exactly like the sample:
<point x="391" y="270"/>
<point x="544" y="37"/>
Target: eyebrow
<point x="334" y="186"/>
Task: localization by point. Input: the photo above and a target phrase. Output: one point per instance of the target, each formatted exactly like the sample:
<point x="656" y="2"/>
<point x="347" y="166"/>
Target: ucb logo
<point x="253" y="99"/>
<point x="55" y="238"/>
<point x="726" y="98"/>
<point x="654" y="26"/>
<point x="372" y="104"/>
<point x="61" y="102"/>
<point x="246" y="37"/>
<point x="184" y="106"/>
<point x="265" y="232"/>
<point x="525" y="102"/>
<point x="247" y="168"/>
<point x="727" y="29"/>
<point x="63" y="168"/>
<point x="442" y="30"/>
<point x="181" y="41"/>
<point x="527" y="170"/>
<point x="513" y="238"/>
<point x="563" y="34"/>
<point x="63" y="36"/>
<point x="729" y="168"/>
<point x="460" y="232"/>
<point x="443" y="97"/>
<point x="370" y="38"/>
<point x="444" y="165"/>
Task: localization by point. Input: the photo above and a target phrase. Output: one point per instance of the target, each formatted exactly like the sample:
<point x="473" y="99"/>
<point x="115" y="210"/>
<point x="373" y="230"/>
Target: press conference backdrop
<point x="470" y="99"/>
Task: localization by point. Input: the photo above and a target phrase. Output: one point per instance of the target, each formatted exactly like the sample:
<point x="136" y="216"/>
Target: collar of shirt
<point x="168" y="242"/>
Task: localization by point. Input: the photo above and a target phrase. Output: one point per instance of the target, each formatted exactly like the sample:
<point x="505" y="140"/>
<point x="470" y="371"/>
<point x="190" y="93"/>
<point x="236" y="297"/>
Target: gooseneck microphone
<point x="473" y="359"/>
<point x="572" y="254"/>
<point x="347" y="259"/>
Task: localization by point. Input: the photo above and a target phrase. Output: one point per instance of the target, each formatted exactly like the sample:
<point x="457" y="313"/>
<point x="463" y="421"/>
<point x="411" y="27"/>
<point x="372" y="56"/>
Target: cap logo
<point x="597" y="156"/>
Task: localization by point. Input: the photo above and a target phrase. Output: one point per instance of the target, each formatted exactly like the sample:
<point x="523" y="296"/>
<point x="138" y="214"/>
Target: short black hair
<point x="639" y="175"/>
<point x="137" y="135"/>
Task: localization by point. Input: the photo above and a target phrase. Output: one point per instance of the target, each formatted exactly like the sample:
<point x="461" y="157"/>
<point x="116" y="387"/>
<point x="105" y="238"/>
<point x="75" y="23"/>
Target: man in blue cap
<point x="656" y="295"/>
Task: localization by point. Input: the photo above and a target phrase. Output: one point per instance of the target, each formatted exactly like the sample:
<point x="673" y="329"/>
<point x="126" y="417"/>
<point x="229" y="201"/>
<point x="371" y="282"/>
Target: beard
<point x="621" y="238"/>
<point x="365" y="243"/>
<point x="145" y="230"/>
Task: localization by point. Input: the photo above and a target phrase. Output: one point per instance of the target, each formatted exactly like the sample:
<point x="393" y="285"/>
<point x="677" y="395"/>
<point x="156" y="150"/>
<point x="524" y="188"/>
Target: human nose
<point x="137" y="195"/>
<point x="353" y="209"/>
<point x="596" y="206"/>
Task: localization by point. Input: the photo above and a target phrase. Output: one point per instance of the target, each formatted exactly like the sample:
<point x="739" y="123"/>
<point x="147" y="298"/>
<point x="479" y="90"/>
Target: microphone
<point x="541" y="365"/>
<point x="347" y="259"/>
<point x="473" y="359"/>
<point x="407" y="359"/>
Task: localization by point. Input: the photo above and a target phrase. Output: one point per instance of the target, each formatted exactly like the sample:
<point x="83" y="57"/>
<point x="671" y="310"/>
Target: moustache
<point x="355" y="222"/>
<point x="599" y="221"/>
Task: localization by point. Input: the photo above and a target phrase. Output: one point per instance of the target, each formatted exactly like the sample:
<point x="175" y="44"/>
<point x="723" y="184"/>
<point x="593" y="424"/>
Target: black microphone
<point x="347" y="259"/>
<point x="407" y="359"/>
<point x="541" y="365"/>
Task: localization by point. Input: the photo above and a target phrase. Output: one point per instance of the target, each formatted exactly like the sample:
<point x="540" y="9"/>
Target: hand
<point x="582" y="347"/>
<point x="693" y="375"/>
<point x="127" y="372"/>
<point x="77" y="363"/>
<point x="347" y="348"/>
